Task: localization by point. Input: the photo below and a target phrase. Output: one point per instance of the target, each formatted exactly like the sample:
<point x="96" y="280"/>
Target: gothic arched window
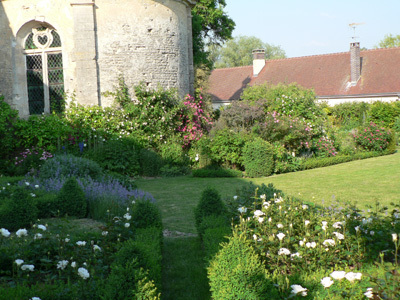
<point x="44" y="70"/>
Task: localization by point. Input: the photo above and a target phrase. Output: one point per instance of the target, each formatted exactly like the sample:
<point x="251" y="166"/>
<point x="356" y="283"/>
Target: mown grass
<point x="363" y="182"/>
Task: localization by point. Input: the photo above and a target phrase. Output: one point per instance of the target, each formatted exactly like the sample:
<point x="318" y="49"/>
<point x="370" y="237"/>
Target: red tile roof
<point x="328" y="74"/>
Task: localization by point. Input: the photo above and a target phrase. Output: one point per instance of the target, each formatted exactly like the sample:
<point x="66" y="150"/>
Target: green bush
<point x="8" y="116"/>
<point x="212" y="221"/>
<point x="46" y="205"/>
<point x="210" y="204"/>
<point x="258" y="158"/>
<point x="226" y="148"/>
<point x="146" y="214"/>
<point x="237" y="272"/>
<point x="150" y="163"/>
<point x="118" y="156"/>
<point x="383" y="113"/>
<point x="68" y="165"/>
<point x="146" y="249"/>
<point x="212" y="239"/>
<point x="349" y="115"/>
<point x="71" y="199"/>
<point x="172" y="153"/>
<point x="19" y="211"/>
<point x="212" y="172"/>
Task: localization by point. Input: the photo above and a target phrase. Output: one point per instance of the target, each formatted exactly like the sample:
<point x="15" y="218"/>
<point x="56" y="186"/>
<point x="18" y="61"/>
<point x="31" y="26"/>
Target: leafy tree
<point x="211" y="26"/>
<point x="238" y="52"/>
<point x="389" y="41"/>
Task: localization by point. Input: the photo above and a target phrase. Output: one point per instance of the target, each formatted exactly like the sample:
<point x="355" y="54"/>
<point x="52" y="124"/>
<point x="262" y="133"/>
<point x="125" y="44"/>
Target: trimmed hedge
<point x="258" y="158"/>
<point x="216" y="172"/>
<point x="313" y="163"/>
<point x="237" y="272"/>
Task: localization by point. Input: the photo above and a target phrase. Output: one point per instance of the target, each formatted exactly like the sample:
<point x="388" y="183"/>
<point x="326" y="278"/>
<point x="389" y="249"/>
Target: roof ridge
<point x="239" y="67"/>
<point x="382" y="49"/>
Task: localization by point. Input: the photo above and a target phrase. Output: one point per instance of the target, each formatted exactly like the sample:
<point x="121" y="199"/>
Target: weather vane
<point x="354" y="26"/>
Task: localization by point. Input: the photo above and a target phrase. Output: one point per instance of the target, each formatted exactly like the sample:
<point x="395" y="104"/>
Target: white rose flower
<point x="5" y="232"/>
<point x="280" y="236"/>
<point x="127" y="225"/>
<point x="339" y="236"/>
<point x="242" y="209"/>
<point x="306" y="222"/>
<point x="296" y="289"/>
<point x="329" y="242"/>
<point x="37" y="236"/>
<point x="127" y="216"/>
<point x="394" y="237"/>
<point x="337" y="225"/>
<point x="284" y="251"/>
<point x="353" y="276"/>
<point x="83" y="273"/>
<point x="62" y="264"/>
<point x="279" y="225"/>
<point x="21" y="232"/>
<point x="19" y="262"/>
<point x="27" y="267"/>
<point x="338" y="275"/>
<point x="327" y="282"/>
<point x="258" y="213"/>
<point x="81" y="243"/>
<point x="369" y="293"/>
<point x="42" y="227"/>
<point x="73" y="264"/>
<point x="96" y="247"/>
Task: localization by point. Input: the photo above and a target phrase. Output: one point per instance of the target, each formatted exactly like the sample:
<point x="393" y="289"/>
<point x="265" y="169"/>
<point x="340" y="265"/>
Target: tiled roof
<point x="328" y="75"/>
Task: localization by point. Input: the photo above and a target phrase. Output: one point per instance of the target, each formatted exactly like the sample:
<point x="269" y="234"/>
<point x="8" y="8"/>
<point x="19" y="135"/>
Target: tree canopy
<point x="238" y="52"/>
<point x="211" y="26"/>
<point x="389" y="41"/>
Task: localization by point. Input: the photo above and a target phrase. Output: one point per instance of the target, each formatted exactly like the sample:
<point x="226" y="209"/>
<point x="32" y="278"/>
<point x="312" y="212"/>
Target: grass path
<point x="362" y="181"/>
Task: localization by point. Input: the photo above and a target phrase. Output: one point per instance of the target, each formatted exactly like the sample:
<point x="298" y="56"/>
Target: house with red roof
<point x="370" y="75"/>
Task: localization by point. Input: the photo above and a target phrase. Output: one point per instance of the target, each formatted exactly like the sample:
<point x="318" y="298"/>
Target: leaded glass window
<point x="44" y="70"/>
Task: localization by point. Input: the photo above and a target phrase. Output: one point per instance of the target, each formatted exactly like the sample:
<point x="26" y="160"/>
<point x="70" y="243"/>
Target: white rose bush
<point x="77" y="263"/>
<point x="323" y="252"/>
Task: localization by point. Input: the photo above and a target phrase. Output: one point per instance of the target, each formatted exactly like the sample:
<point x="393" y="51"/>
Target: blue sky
<point x="311" y="27"/>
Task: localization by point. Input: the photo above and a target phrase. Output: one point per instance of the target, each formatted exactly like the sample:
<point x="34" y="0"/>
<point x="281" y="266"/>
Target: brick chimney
<point x="258" y="61"/>
<point x="355" y="62"/>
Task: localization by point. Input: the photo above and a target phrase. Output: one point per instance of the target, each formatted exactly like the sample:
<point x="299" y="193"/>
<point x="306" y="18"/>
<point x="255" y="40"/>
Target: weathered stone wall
<point x="143" y="40"/>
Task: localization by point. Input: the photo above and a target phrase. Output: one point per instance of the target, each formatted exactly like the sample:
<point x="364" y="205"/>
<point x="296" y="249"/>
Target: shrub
<point x="119" y="156"/>
<point x="71" y="199"/>
<point x="350" y="115"/>
<point x="212" y="221"/>
<point x="216" y="172"/>
<point x="324" y="147"/>
<point x="19" y="210"/>
<point x="287" y="99"/>
<point x="8" y="116"/>
<point x="372" y="137"/>
<point x="384" y="113"/>
<point x="146" y="214"/>
<point x="46" y="205"/>
<point x="30" y="160"/>
<point x="283" y="160"/>
<point x="150" y="163"/>
<point x="258" y="158"/>
<point x="210" y="204"/>
<point x="293" y="133"/>
<point x="236" y="272"/>
<point x="226" y="147"/>
<point x="69" y="165"/>
<point x="213" y="237"/>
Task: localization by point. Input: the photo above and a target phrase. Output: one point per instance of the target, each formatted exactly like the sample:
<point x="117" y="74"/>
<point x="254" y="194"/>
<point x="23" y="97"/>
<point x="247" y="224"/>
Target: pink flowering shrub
<point x="293" y="133"/>
<point x="30" y="159"/>
<point x="324" y="147"/>
<point x="372" y="137"/>
<point x="196" y="121"/>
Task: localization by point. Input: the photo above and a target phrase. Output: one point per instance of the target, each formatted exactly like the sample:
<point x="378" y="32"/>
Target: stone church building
<point x="53" y="48"/>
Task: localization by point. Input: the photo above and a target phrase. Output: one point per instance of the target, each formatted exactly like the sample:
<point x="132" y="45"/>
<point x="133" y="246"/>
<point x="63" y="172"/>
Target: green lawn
<point x="362" y="181"/>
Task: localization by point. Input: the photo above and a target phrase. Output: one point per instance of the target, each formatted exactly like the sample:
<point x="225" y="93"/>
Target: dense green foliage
<point x="239" y="52"/>
<point x="63" y="166"/>
<point x="389" y="41"/>
<point x="372" y="137"/>
<point x="237" y="272"/>
<point x="258" y="158"/>
<point x="210" y="204"/>
<point x="146" y="214"/>
<point x="216" y="172"/>
<point x="210" y="26"/>
<point x="19" y="210"/>
<point x="71" y="199"/>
